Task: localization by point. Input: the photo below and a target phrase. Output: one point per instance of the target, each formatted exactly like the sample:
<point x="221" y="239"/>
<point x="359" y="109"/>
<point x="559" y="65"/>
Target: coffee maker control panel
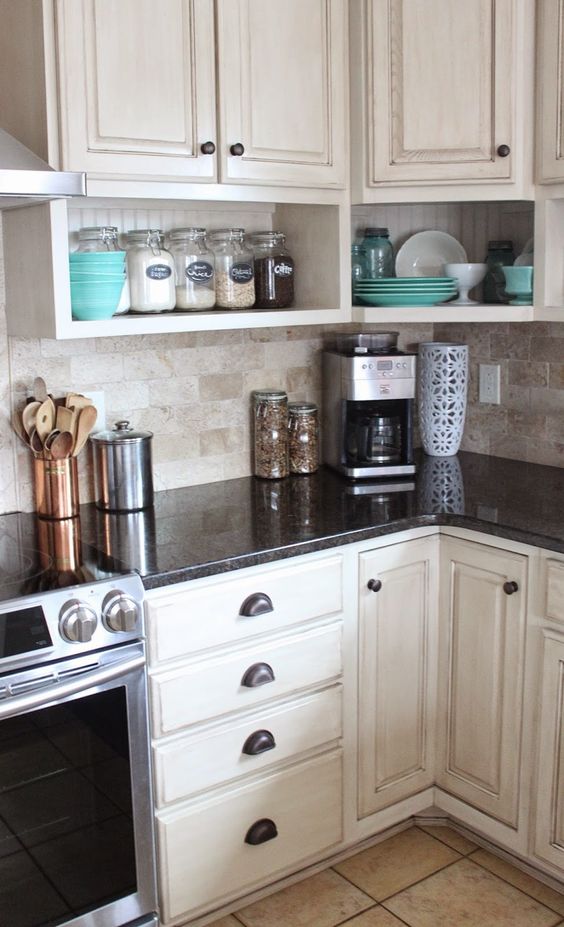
<point x="401" y="367"/>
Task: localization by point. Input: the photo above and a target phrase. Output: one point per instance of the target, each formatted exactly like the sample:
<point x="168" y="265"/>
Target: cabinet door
<point x="398" y="671"/>
<point x="137" y="87"/>
<point x="549" y="819"/>
<point x="481" y="652"/>
<point x="439" y="90"/>
<point x="282" y="85"/>
<point x="550" y="87"/>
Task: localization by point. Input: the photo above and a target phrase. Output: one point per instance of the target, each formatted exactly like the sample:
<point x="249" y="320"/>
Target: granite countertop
<point x="218" y="527"/>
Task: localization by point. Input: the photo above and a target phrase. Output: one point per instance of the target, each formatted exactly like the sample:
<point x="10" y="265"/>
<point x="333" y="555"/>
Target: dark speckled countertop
<point x="218" y="527"/>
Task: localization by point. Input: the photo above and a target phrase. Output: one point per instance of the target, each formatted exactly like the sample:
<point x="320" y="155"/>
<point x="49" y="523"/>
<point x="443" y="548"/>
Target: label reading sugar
<point x="158" y="271"/>
<point x="242" y="272"/>
<point x="199" y="272"/>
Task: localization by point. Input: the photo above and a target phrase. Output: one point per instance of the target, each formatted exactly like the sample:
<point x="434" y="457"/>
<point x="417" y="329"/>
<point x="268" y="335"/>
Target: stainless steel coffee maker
<point x="368" y="397"/>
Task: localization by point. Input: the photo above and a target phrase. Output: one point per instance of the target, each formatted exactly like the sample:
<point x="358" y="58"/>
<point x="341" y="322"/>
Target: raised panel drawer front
<point x="549" y="819"/>
<point x="439" y="89"/>
<point x="555" y="590"/>
<point x="209" y="614"/>
<point x="137" y="87"/>
<point x="482" y="639"/>
<point x="202" y="850"/>
<point x="220" y="753"/>
<point x="204" y="689"/>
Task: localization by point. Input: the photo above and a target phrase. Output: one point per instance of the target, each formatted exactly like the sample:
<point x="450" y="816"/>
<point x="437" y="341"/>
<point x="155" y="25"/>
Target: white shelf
<point x="444" y="313"/>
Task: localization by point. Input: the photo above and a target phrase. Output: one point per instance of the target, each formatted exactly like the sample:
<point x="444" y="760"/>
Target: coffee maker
<point x="368" y="398"/>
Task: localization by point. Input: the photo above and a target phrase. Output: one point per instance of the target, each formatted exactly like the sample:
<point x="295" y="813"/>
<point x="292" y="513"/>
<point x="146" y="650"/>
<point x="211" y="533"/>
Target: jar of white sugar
<point x="150" y="268"/>
<point x="234" y="269"/>
<point x="195" y="269"/>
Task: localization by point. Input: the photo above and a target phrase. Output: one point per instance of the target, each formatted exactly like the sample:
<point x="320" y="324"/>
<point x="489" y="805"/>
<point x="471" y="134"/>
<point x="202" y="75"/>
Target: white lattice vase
<point x="443" y="383"/>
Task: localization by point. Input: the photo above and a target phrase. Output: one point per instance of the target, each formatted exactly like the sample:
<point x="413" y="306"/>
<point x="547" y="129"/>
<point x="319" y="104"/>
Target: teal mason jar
<point x="500" y="254"/>
<point x="358" y="270"/>
<point x="379" y="255"/>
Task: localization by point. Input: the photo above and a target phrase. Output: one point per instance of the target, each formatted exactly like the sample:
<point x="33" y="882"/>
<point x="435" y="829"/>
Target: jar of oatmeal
<point x="274" y="271"/>
<point x="195" y="269"/>
<point x="270" y="414"/>
<point x="150" y="268"/>
<point x="234" y="270"/>
<point x="303" y="437"/>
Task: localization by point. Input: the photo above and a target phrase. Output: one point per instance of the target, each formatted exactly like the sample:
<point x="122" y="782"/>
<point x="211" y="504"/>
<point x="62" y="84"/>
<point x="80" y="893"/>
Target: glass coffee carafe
<point x="373" y="437"/>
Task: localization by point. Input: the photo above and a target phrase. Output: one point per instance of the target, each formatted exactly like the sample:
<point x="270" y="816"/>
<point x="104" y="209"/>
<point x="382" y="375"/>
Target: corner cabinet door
<point x="439" y="90"/>
<point x="549" y="817"/>
<point x="398" y="671"/>
<point x="550" y="90"/>
<point x="481" y="655"/>
<point x="283" y="81"/>
<point x="137" y="87"/>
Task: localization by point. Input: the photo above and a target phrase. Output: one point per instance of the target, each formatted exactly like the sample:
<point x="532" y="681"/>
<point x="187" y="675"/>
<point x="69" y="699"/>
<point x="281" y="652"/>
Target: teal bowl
<point x="90" y="313"/>
<point x="519" y="284"/>
<point x="97" y="279"/>
<point x="106" y="257"/>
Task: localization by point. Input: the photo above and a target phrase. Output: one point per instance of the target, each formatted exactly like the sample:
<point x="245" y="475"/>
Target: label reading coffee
<point x="242" y="272"/>
<point x="199" y="272"/>
<point x="283" y="269"/>
<point x="158" y="271"/>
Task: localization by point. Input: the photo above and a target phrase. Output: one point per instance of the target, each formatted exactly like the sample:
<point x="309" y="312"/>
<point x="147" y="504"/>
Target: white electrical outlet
<point x="99" y="402"/>
<point x="489" y="388"/>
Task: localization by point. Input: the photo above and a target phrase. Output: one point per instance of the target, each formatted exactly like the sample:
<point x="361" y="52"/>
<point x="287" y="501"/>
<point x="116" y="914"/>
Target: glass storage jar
<point x="379" y="255"/>
<point x="234" y="270"/>
<point x="500" y="254"/>
<point x="150" y="267"/>
<point x="274" y="271"/>
<point x="270" y="416"/>
<point x="195" y="269"/>
<point x="358" y="271"/>
<point x="303" y="437"/>
<point x="98" y="238"/>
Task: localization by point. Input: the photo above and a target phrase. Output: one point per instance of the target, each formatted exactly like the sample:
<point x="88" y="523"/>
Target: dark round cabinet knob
<point x="374" y="585"/>
<point x="259" y="603"/>
<point x="237" y="150"/>
<point x="261" y="831"/>
<point x="259" y="674"/>
<point x="510" y="587"/>
<point x="503" y="151"/>
<point x="207" y="148"/>
<point x="259" y="742"/>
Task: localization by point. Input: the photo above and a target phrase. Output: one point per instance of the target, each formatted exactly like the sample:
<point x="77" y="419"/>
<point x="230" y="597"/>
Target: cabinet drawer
<point x="225" y="752"/>
<point x="555" y="590"/>
<point x="200" y="691"/>
<point x="203" y="855"/>
<point x="209" y="614"/>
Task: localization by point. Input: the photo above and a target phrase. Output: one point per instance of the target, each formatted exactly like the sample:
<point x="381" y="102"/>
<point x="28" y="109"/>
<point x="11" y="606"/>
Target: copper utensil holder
<point x="59" y="543"/>
<point x="56" y="487"/>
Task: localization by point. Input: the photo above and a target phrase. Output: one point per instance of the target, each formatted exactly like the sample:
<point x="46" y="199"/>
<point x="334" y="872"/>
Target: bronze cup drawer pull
<point x="374" y="585"/>
<point x="261" y="831"/>
<point x="259" y="742"/>
<point x="259" y="674"/>
<point x="259" y="603"/>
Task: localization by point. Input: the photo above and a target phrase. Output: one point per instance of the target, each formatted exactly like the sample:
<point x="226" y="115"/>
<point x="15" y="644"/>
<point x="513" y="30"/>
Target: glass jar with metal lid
<point x="195" y="269"/>
<point x="123" y="469"/>
<point x="152" y="278"/>
<point x="270" y="416"/>
<point x="303" y="437"/>
<point x="274" y="271"/>
<point x="98" y="238"/>
<point x="234" y="270"/>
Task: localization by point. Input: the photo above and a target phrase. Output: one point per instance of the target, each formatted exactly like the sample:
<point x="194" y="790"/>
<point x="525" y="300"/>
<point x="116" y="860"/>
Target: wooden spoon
<point x="40" y="389"/>
<point x="62" y="445"/>
<point x="29" y="415"/>
<point x="35" y="443"/>
<point x="86" y="422"/>
<point x="18" y="427"/>
<point x="45" y="419"/>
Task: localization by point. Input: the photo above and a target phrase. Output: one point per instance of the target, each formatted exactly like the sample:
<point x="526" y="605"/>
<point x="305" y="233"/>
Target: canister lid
<point x="121" y="433"/>
<point x="269" y="395"/>
<point x="302" y="408"/>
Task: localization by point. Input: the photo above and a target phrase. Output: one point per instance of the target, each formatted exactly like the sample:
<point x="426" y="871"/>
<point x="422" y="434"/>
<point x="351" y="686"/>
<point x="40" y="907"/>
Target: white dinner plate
<point x="426" y="253"/>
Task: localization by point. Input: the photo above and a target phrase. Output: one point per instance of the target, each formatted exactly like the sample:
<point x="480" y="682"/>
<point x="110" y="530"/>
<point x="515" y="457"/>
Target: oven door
<point x="76" y="832"/>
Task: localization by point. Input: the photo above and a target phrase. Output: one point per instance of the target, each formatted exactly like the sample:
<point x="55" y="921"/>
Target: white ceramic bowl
<point x="468" y="276"/>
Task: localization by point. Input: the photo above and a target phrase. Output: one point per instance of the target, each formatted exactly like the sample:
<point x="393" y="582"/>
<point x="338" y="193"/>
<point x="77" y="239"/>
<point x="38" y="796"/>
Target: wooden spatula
<point x="86" y="421"/>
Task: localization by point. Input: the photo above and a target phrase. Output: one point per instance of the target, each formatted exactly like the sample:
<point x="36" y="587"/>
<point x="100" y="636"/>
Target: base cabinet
<point x="549" y="812"/>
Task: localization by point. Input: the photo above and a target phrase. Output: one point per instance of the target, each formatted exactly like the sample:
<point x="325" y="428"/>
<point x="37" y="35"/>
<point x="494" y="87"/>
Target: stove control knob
<point x="77" y="622"/>
<point x="119" y="612"/>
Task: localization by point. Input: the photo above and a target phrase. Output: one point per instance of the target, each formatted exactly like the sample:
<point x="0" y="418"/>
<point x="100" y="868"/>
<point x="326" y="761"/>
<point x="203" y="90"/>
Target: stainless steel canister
<point x="123" y="470"/>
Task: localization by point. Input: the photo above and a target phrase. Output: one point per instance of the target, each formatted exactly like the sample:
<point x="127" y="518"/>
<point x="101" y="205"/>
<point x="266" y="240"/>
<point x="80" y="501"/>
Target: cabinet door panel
<point x="481" y="671"/>
<point x="137" y="86"/>
<point x="549" y="821"/>
<point x="398" y="653"/>
<point x="282" y="83"/>
<point x="439" y="77"/>
<point x="550" y="90"/>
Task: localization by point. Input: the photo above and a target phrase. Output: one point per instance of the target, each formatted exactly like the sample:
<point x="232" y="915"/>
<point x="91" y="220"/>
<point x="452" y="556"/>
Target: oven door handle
<point x="17" y="705"/>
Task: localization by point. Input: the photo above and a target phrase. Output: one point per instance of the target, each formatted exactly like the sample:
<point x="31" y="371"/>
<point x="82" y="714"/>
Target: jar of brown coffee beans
<point x="303" y="437"/>
<point x="270" y="414"/>
<point x="274" y="271"/>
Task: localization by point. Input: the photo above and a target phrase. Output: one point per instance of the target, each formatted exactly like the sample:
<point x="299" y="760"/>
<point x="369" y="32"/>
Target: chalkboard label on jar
<point x="158" y="271"/>
<point x="199" y="272"/>
<point x="241" y="272"/>
<point x="283" y="269"/>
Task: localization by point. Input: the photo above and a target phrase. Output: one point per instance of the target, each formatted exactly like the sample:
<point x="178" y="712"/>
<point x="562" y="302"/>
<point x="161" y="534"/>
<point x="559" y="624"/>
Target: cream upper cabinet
<point x="282" y="87"/>
<point x="397" y="672"/>
<point x="137" y="87"/>
<point x="436" y="92"/>
<point x="550" y="91"/>
<point x="481" y="656"/>
<point x="549" y="817"/>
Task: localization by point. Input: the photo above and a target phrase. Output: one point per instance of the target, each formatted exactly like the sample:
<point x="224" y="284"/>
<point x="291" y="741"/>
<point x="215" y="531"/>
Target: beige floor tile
<point x="451" y="837"/>
<point x="323" y="900"/>
<point x="396" y="863"/>
<point x="521" y="880"/>
<point x="226" y="922"/>
<point x="376" y="917"/>
<point x="465" y="894"/>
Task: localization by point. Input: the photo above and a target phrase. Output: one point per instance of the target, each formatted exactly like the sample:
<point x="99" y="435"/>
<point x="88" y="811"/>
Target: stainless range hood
<point x="26" y="178"/>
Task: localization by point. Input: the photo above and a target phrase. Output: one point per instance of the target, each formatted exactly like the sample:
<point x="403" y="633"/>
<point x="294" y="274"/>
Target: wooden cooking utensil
<point x="18" y="427"/>
<point x="29" y="415"/>
<point x="77" y="401"/>
<point x="86" y="421"/>
<point x="40" y="389"/>
<point x="65" y="420"/>
<point x="45" y="419"/>
<point x="35" y="443"/>
<point x="62" y="446"/>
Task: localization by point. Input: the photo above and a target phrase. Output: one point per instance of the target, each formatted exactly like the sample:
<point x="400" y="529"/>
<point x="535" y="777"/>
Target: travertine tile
<point x="388" y="867"/>
<point x="451" y="837"/>
<point x="465" y="894"/>
<point x="528" y="373"/>
<point x="221" y="386"/>
<point x="221" y="441"/>
<point x="324" y="900"/>
<point x="520" y="879"/>
<point x="228" y="921"/>
<point x="375" y="917"/>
